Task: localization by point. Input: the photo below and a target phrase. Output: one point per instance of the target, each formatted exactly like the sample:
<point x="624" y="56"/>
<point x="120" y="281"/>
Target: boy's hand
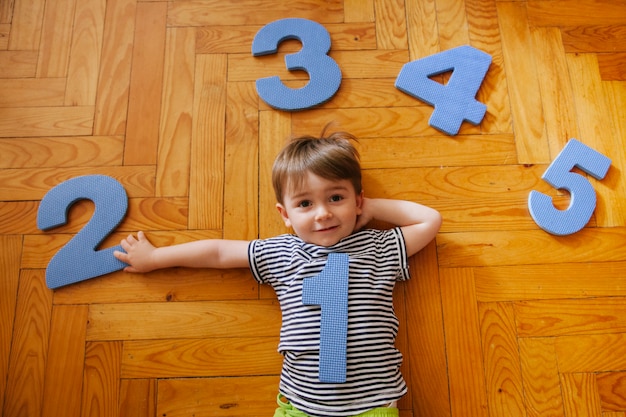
<point x="139" y="253"/>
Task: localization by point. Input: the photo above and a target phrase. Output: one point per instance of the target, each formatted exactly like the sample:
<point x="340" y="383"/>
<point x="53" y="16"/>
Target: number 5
<point x="582" y="194"/>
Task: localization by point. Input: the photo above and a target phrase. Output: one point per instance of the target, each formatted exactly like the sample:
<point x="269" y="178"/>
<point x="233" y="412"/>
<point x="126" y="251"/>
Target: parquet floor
<point x="500" y="319"/>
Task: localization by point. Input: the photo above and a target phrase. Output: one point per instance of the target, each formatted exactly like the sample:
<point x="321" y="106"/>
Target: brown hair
<point x="331" y="157"/>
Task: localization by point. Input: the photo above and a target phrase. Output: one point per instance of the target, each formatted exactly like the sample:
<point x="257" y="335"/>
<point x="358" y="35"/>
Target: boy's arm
<point x="419" y="223"/>
<point x="142" y="256"/>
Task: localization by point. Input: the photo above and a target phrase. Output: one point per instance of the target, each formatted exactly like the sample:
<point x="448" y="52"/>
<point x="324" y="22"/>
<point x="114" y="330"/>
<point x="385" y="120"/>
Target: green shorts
<point x="285" y="409"/>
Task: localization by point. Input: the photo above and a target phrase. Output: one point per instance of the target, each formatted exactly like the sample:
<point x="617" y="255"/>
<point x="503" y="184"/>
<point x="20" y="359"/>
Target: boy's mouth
<point x="327" y="229"/>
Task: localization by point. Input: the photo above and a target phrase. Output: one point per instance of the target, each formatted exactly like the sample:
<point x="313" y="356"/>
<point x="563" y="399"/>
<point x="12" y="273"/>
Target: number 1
<point x="329" y="290"/>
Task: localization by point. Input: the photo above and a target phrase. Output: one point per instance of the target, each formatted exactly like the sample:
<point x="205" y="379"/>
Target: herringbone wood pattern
<point x="500" y="318"/>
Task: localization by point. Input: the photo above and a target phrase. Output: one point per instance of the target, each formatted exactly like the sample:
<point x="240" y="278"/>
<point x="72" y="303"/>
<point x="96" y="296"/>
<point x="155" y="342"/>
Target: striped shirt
<point x="376" y="260"/>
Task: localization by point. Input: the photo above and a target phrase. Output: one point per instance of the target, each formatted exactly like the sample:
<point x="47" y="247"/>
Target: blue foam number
<point x="324" y="73"/>
<point x="79" y="260"/>
<point x="329" y="290"/>
<point x="455" y="101"/>
<point x="582" y="194"/>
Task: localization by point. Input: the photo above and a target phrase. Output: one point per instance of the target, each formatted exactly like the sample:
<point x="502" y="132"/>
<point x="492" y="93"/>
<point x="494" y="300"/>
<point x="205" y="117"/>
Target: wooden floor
<point x="500" y="319"/>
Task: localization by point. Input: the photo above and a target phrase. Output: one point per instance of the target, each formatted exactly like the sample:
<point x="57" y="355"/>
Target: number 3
<point x="324" y="73"/>
<point x="78" y="260"/>
<point x="582" y="194"/>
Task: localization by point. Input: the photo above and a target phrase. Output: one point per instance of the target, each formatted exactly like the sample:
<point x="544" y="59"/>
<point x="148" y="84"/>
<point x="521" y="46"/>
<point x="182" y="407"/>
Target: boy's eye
<point x="304" y="203"/>
<point x="336" y="198"/>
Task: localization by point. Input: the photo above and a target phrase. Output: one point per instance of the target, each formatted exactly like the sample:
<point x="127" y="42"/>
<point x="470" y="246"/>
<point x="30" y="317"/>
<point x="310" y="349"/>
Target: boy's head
<point x="332" y="157"/>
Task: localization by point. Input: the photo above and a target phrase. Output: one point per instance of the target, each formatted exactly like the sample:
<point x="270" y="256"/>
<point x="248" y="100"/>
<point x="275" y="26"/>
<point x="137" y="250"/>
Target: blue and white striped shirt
<point x="377" y="259"/>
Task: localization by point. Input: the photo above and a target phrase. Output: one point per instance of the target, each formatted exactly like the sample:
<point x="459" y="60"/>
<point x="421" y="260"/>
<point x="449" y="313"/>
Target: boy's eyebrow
<point x="330" y="189"/>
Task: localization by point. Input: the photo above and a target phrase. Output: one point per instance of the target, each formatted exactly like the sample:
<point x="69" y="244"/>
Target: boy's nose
<point x="322" y="213"/>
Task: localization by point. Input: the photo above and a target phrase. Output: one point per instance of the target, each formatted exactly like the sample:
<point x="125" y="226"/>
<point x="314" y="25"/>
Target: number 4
<point x="453" y="102"/>
<point x="582" y="194"/>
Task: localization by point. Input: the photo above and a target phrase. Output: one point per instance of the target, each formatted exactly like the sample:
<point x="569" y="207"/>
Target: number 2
<point x="324" y="73"/>
<point x="329" y="290"/>
<point x="79" y="260"/>
<point x="582" y="194"/>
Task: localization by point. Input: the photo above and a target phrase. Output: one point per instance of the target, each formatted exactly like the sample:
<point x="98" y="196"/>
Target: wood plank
<point x="436" y="151"/>
<point x="424" y="323"/>
<point x="26" y="19"/>
<point x="33" y="183"/>
<point x="422" y="28"/>
<point x="540" y="374"/>
<point x="101" y="379"/>
<point x="238" y="39"/>
<point x="241" y="163"/>
<point x="559" y="108"/>
<point x="46" y="121"/>
<point x="390" y="24"/>
<point x="505" y="391"/>
<point x="611" y="390"/>
<point x="143" y="214"/>
<point x="454" y="183"/>
<point x="216" y="12"/>
<point x="570" y="317"/>
<point x="115" y="68"/>
<point x="10" y="272"/>
<point x="84" y="65"/>
<point x="56" y="39"/>
<point x="29" y="351"/>
<point x="18" y="217"/>
<point x="32" y="92"/>
<point x="366" y="92"/>
<point x="463" y="343"/>
<point x="6" y="11"/>
<point x="597" y="132"/>
<point x="146" y="80"/>
<point x="550" y="281"/>
<point x="43" y="152"/>
<point x="5" y="29"/>
<point x="523" y="84"/>
<point x="206" y="189"/>
<point x="452" y="22"/>
<point x="232" y="397"/>
<point x="142" y="321"/>
<point x="175" y="132"/>
<point x="138" y="398"/>
<point x="612" y="67"/>
<point x="213" y="357"/>
<point x="359" y="10"/>
<point x="591" y="353"/>
<point x="484" y="34"/>
<point x="353" y="64"/>
<point x="65" y="361"/>
<point x="593" y="38"/>
<point x="497" y="248"/>
<point x="39" y="249"/>
<point x="177" y="284"/>
<point x="18" y="64"/>
<point x="586" y="12"/>
<point x="580" y="395"/>
<point x="373" y="122"/>
<point x="274" y="132"/>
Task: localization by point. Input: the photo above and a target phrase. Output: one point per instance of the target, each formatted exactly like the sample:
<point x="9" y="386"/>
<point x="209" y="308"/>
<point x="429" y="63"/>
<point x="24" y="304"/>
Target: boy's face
<point x="322" y="211"/>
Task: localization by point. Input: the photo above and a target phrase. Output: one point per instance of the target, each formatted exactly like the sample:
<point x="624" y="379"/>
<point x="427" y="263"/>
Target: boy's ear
<point x="283" y="214"/>
<point x="359" y="202"/>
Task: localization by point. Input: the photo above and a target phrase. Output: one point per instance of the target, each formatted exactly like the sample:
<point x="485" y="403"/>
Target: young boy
<point x="317" y="182"/>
